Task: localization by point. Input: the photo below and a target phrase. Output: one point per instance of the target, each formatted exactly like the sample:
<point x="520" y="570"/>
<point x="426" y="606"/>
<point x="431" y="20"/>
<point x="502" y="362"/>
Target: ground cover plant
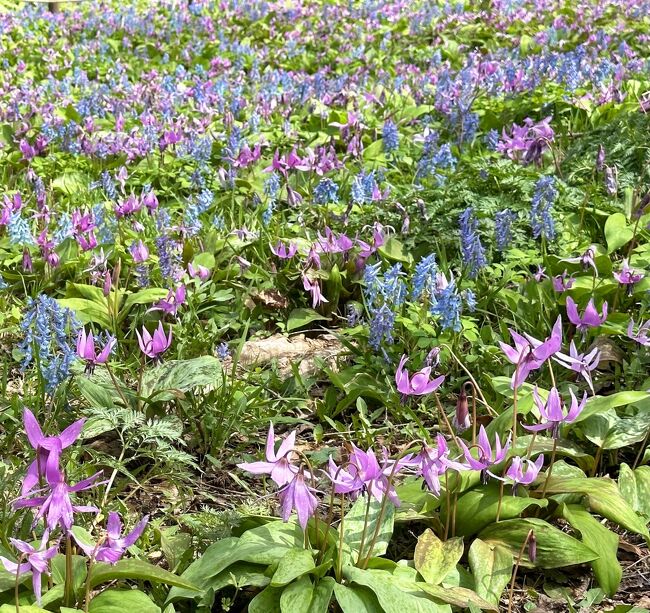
<point x="325" y="306"/>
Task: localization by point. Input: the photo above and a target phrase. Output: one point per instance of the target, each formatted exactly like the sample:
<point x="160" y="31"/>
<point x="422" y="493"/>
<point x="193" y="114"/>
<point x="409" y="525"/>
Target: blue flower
<point x="448" y="307"/>
<point x="503" y="228"/>
<point x="471" y="248"/>
<point x="541" y="220"/>
<point x="18" y="231"/>
<point x="424" y="277"/>
<point x="326" y="191"/>
<point x="390" y="136"/>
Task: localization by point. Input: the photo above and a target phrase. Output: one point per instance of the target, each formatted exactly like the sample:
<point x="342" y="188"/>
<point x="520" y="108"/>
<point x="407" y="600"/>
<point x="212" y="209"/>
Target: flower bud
<point x="461" y="420"/>
<point x="532" y="547"/>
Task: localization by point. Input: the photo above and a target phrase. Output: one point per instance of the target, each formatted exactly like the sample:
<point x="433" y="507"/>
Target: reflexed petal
<point x="32" y="429"/>
<point x="137" y="531"/>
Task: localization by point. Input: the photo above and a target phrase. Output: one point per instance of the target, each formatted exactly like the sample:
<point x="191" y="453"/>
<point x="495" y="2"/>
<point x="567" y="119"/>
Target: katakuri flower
<point x="642" y="336"/>
<point x="112" y="548"/>
<point x="86" y="350"/>
<point x="521" y="472"/>
<point x="581" y="363"/>
<point x="299" y="496"/>
<point x="628" y="276"/>
<point x="419" y="383"/>
<point x="154" y="346"/>
<point x="590" y="317"/>
<point x="432" y="462"/>
<point x="486" y="455"/>
<point x="552" y="411"/>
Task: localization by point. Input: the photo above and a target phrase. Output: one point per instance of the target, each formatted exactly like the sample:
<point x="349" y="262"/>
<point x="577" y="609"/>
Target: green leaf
<point x="478" y="508"/>
<point x="267" y="601"/>
<point x="181" y="375"/>
<point x="457" y="596"/>
<point x="136" y="570"/>
<point x="634" y="486"/>
<point x="555" y="548"/>
<point x="627" y="431"/>
<point x="394" y="250"/>
<point x="88" y="311"/>
<point x="354" y="524"/>
<point x="601" y="404"/>
<point x="78" y="570"/>
<point x="322" y="595"/>
<point x="435" y="559"/>
<point x="71" y="183"/>
<point x="604" y="542"/>
<point x="491" y="566"/>
<point x="299" y="318"/>
<point x="144" y="296"/>
<point x="392" y="598"/>
<point x="604" y="499"/>
<point x="617" y="232"/>
<point x="98" y="396"/>
<point x="119" y="601"/>
<point x="24" y="608"/>
<point x="296" y="597"/>
<point x="295" y="563"/>
<point x="356" y="599"/>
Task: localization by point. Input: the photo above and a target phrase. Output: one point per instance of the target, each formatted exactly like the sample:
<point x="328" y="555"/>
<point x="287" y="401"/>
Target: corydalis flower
<point x="37" y="561"/>
<point x="48" y="448"/>
<point x="299" y="496"/>
<point x="581" y="363"/>
<point x="112" y="548"/>
<point x="418" y="384"/>
<point x="86" y="350"/>
<point x="552" y="411"/>
<point x="529" y="353"/>
<point x="154" y="346"/>
<point x="278" y="464"/>
<point x="589" y="319"/>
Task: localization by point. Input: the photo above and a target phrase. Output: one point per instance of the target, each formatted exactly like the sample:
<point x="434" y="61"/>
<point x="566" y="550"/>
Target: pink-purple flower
<point x="172" y="302"/>
<point x="521" y="472"/>
<point x="419" y="383"/>
<point x="628" y="276"/>
<point x="299" y="496"/>
<point x="283" y="251"/>
<point x="486" y="455"/>
<point x="552" y="411"/>
<point x="642" y="335"/>
<point x="112" y="547"/>
<point x="562" y="282"/>
<point x="154" y="345"/>
<point x="86" y="350"/>
<point x="582" y="363"/>
<point x="590" y="318"/>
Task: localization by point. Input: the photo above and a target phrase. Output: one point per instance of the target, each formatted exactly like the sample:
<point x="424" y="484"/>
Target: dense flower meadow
<point x="324" y="305"/>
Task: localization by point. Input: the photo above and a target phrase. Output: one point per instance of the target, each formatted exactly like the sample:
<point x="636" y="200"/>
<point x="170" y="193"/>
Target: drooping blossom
<point x="590" y="317"/>
<point x="36" y="561"/>
<point x="283" y="252"/>
<point x="86" y="350"/>
<point x="154" y="346"/>
<point x="582" y="363"/>
<point x="299" y="496"/>
<point x="278" y="463"/>
<point x="172" y="302"/>
<point x="552" y="411"/>
<point x="642" y="336"/>
<point x="521" y="472"/>
<point x="562" y="282"/>
<point x="198" y="272"/>
<point x="432" y="462"/>
<point x="313" y="287"/>
<point x="540" y="274"/>
<point x="486" y="456"/>
<point x="461" y="420"/>
<point x="529" y="353"/>
<point x="139" y="252"/>
<point x="46" y="447"/>
<point x="418" y="384"/>
<point x="112" y="548"/>
<point x="628" y="276"/>
<point x="586" y="260"/>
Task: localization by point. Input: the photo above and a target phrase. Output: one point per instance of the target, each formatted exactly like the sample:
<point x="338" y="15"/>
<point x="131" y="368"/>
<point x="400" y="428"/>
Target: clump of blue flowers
<point x="424" y="277"/>
<point x="447" y="307"/>
<point x="390" y="136"/>
<point x="503" y="228"/>
<point x="327" y="191"/>
<point x="49" y="331"/>
<point x="541" y="220"/>
<point x="472" y="250"/>
<point x="384" y="294"/>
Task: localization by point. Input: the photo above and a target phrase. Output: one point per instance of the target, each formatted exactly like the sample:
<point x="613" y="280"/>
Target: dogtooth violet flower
<point x="529" y="353"/>
<point x="521" y="472"/>
<point x="112" y="548"/>
<point x="299" y="496"/>
<point x="86" y="350"/>
<point x="283" y="252"/>
<point x="278" y="464"/>
<point x="172" y="302"/>
<point x="486" y="456"/>
<point x="628" y="276"/>
<point x="552" y="411"/>
<point x="156" y="344"/>
<point x="432" y="462"/>
<point x="419" y="383"/>
<point x="37" y="561"/>
<point x="47" y="447"/>
<point x="582" y="363"/>
<point x="642" y="335"/>
<point x="590" y="318"/>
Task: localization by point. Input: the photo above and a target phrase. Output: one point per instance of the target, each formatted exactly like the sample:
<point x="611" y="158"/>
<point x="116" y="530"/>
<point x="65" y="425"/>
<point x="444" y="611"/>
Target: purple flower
<point x="486" y="455"/>
<point x="313" y="287"/>
<point x="628" y="276"/>
<point x="154" y="346"/>
<point x="418" y="384"/>
<point x="552" y="411"/>
<point x="432" y="462"/>
<point x="461" y="420"/>
<point x="37" y="561"/>
<point x="586" y="260"/>
<point x="200" y="272"/>
<point x="139" y="252"/>
<point x="522" y="472"/>
<point x="298" y="495"/>
<point x="278" y="464"/>
<point x="172" y="302"/>
<point x="283" y="252"/>
<point x="48" y="448"/>
<point x="540" y="275"/>
<point x="530" y="353"/>
<point x="86" y="350"/>
<point x="589" y="319"/>
<point x="56" y="507"/>
<point x="112" y="548"/>
<point x="563" y="282"/>
<point x="581" y="363"/>
<point x="643" y="334"/>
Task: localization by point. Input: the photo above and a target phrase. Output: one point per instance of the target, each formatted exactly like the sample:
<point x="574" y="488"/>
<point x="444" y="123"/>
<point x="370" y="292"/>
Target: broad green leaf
<point x="356" y="599"/>
<point x="267" y="601"/>
<point x="144" y="296"/>
<point x="240" y="574"/>
<point x="137" y="570"/>
<point x="634" y="486"/>
<point x="457" y="596"/>
<point x="299" y="318"/>
<point x="617" y="232"/>
<point x="98" y="396"/>
<point x="296" y="597"/>
<point x="88" y="311"/>
<point x="491" y="566"/>
<point x="353" y="527"/>
<point x="600" y="404"/>
<point x="181" y="375"/>
<point x="295" y="563"/>
<point x="628" y="431"/>
<point x="478" y="508"/>
<point x="394" y="250"/>
<point x="604" y="542"/>
<point x="24" y="608"/>
<point x="544" y="444"/>
<point x="555" y="548"/>
<point x="322" y="595"/>
<point x="392" y="598"/>
<point x="71" y="183"/>
<point x="78" y="570"/>
<point x="435" y="559"/>
<point x="119" y="601"/>
<point x="604" y="499"/>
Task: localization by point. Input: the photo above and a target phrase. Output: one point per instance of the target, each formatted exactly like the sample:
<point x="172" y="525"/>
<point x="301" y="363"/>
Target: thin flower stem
<point x="474" y="416"/>
<point x="445" y="418"/>
<point x="339" y="559"/>
<point x="501" y="486"/>
<point x="455" y="506"/>
<point x="68" y="589"/>
<point x="599" y="453"/>
<point x="111" y="479"/>
<point x="641" y="450"/>
<point x="514" y="412"/>
<point x="91" y="564"/>
<point x="550" y="467"/>
<point x="365" y="528"/>
<point x="447" y="518"/>
<point x="550" y="371"/>
<point x="117" y="387"/>
<point x="514" y="572"/>
<point x="17" y="585"/>
<point x="375" y="534"/>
